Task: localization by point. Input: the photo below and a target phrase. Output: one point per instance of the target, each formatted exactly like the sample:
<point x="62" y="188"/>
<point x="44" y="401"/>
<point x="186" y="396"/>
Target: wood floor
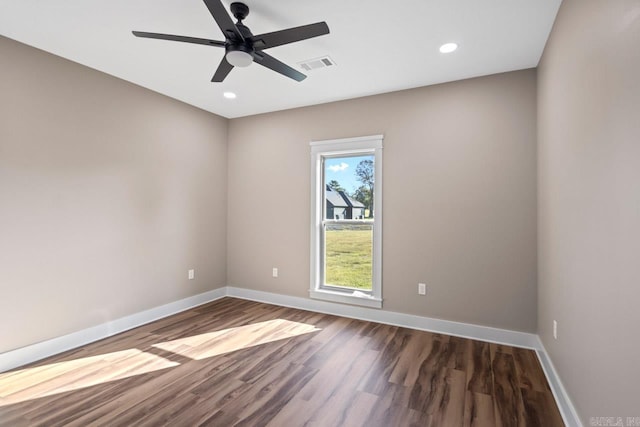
<point x="236" y="362"/>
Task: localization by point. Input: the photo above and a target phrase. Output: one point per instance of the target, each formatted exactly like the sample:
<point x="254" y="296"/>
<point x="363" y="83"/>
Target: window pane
<point x="348" y="187"/>
<point x="348" y="255"/>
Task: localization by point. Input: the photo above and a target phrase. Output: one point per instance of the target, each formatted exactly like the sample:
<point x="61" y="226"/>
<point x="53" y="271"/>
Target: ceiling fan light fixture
<point x="238" y="58"/>
<point x="448" y="47"/>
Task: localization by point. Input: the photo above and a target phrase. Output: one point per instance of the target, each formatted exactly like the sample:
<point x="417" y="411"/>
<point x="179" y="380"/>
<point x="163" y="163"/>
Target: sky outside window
<point x="343" y="170"/>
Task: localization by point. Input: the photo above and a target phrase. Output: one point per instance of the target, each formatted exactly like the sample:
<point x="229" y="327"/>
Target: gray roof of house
<point x="335" y="199"/>
<point x="352" y="202"/>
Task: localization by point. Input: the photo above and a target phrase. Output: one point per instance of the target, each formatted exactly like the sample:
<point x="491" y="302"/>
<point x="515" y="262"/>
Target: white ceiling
<point x="378" y="46"/>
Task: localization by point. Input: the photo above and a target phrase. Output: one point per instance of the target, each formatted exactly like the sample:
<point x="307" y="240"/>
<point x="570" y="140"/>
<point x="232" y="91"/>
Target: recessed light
<point x="448" y="47"/>
<point x="229" y="95"/>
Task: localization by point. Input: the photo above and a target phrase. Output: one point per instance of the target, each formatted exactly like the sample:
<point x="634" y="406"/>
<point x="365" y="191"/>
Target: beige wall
<point x="459" y="197"/>
<point x="109" y="193"/>
<point x="589" y="204"/>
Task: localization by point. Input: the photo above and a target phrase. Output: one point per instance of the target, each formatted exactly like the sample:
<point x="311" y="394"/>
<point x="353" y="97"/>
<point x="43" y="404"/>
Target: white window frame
<point x="366" y="145"/>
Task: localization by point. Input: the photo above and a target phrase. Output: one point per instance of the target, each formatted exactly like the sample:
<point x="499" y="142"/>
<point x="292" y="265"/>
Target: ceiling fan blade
<point x="278" y="38"/>
<point x="223" y="20"/>
<point x="277" y="66"/>
<point x="178" y="38"/>
<point x="223" y="70"/>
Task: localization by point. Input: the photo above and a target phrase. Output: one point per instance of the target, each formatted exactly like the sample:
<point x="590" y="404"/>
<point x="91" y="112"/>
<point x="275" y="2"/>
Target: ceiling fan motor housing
<point x="241" y="47"/>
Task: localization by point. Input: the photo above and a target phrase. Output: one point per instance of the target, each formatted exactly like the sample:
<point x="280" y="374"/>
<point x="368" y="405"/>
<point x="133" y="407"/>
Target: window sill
<point x="346" y="298"/>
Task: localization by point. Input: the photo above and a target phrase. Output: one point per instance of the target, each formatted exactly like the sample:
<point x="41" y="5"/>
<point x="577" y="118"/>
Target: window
<point x="346" y="220"/>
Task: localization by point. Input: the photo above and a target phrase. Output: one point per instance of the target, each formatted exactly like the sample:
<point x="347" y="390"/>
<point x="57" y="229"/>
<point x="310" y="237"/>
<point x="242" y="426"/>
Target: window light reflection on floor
<point x="60" y="377"/>
<point x="227" y="340"/>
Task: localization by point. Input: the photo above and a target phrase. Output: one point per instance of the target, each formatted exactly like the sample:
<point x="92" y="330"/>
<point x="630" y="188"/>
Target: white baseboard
<point x="568" y="411"/>
<point x="31" y="353"/>
<point x="464" y="330"/>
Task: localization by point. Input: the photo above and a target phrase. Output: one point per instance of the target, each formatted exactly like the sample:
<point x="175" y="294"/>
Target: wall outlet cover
<point x="422" y="288"/>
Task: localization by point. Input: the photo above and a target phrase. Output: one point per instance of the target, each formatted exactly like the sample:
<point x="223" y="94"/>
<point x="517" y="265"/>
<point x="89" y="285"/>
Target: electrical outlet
<point x="275" y="272"/>
<point x="192" y="274"/>
<point x="555" y="330"/>
<point x="422" y="288"/>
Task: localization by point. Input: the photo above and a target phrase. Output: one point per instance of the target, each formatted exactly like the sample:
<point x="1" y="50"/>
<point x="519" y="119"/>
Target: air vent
<point x="314" y="64"/>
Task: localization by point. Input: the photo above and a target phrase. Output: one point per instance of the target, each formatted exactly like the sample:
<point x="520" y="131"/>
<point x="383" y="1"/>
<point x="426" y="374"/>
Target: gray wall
<point x="109" y="193"/>
<point x="459" y="196"/>
<point x="589" y="204"/>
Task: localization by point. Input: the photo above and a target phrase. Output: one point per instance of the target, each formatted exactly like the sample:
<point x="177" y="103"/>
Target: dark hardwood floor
<point x="236" y="362"/>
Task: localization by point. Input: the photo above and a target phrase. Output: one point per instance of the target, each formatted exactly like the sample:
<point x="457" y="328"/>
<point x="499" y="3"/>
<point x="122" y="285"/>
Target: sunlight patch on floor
<point x="227" y="340"/>
<point x="61" y="377"/>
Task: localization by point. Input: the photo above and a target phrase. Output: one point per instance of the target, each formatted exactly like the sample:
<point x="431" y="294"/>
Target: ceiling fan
<point x="241" y="46"/>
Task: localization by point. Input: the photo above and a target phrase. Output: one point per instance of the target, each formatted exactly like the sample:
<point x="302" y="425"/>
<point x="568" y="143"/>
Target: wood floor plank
<point x="478" y="410"/>
<point x="78" y="403"/>
<point x="242" y="363"/>
<point x="273" y="393"/>
<point x="352" y="409"/>
<point x="449" y="411"/>
<point x="139" y="399"/>
<point x="296" y="409"/>
<point x="530" y="374"/>
<point x="508" y="405"/>
<point x="378" y="380"/>
<point x="430" y="388"/>
<point x="540" y="409"/>
<point x="392" y="410"/>
<point x="331" y="374"/>
<point x="479" y="374"/>
<point x="335" y="390"/>
<point x="380" y="335"/>
<point x="414" y="352"/>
